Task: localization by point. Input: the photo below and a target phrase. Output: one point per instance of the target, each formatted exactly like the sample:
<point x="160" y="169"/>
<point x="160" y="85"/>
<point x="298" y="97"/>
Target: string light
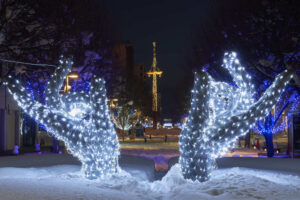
<point x="220" y="113"/>
<point x="81" y="120"/>
<point x="273" y="126"/>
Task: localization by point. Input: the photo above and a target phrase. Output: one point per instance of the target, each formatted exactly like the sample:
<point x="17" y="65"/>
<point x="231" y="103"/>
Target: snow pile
<point x="67" y="182"/>
<point x="233" y="183"/>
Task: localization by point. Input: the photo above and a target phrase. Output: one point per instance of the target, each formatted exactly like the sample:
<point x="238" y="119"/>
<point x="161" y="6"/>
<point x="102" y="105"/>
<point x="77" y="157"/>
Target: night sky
<point x="171" y="24"/>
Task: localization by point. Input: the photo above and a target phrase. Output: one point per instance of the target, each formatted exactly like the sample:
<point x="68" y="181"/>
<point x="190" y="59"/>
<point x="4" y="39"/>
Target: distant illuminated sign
<point x="168" y="125"/>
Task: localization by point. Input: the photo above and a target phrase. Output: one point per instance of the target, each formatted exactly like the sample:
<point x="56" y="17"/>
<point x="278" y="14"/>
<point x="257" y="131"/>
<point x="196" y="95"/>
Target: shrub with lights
<point x="275" y="122"/>
<point x="81" y="120"/>
<point x="124" y="120"/>
<point x="220" y="113"/>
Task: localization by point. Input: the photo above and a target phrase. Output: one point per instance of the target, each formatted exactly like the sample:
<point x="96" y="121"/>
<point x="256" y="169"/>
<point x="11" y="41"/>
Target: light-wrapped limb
<point x="201" y="142"/>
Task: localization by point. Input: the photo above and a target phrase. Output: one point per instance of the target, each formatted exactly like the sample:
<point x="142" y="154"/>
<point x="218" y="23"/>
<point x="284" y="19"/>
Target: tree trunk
<point x="98" y="152"/>
<point x="91" y="167"/>
<point x="247" y="140"/>
<point x="123" y="135"/>
<point x="55" y="145"/>
<point x="269" y="144"/>
<point x="201" y="141"/>
<point x="200" y="167"/>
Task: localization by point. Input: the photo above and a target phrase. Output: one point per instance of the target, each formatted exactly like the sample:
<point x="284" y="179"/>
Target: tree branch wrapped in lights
<point x="220" y="113"/>
<point x="81" y="120"/>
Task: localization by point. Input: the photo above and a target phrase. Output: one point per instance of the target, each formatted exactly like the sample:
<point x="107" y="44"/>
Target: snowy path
<point x="66" y="182"/>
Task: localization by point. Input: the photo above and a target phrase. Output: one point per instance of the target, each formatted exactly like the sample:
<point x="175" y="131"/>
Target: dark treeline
<point x="265" y="35"/>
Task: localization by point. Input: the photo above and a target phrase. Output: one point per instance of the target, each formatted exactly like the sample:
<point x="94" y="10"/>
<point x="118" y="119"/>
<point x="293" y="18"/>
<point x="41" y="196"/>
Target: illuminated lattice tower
<point x="154" y="72"/>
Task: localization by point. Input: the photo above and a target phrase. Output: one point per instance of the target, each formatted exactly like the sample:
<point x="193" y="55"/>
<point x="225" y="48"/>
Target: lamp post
<point x="112" y="102"/>
<point x="72" y="75"/>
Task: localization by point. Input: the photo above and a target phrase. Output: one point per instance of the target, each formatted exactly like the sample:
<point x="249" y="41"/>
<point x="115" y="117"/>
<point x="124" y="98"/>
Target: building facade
<point x="10" y="122"/>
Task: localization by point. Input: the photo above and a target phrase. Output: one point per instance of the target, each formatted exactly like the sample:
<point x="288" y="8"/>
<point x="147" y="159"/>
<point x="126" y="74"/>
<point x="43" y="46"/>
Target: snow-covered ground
<point x="66" y="182"/>
<point x="284" y="165"/>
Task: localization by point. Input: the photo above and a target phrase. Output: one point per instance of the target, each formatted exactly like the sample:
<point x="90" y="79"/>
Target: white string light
<point x="220" y="113"/>
<point x="81" y="120"/>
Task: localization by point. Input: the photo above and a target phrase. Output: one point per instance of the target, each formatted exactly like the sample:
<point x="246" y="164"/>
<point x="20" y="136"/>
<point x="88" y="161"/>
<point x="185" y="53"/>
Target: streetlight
<point x="112" y="102"/>
<point x="72" y="75"/>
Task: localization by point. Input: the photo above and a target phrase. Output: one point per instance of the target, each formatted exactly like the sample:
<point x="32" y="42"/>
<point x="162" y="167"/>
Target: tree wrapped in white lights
<point x="123" y="120"/>
<point x="81" y="120"/>
<point x="220" y="113"/>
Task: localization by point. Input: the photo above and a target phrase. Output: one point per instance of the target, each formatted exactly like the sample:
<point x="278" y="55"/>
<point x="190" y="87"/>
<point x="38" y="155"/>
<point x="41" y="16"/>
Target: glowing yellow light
<point x="112" y="102"/>
<point x="73" y="75"/>
<point x="154" y="72"/>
